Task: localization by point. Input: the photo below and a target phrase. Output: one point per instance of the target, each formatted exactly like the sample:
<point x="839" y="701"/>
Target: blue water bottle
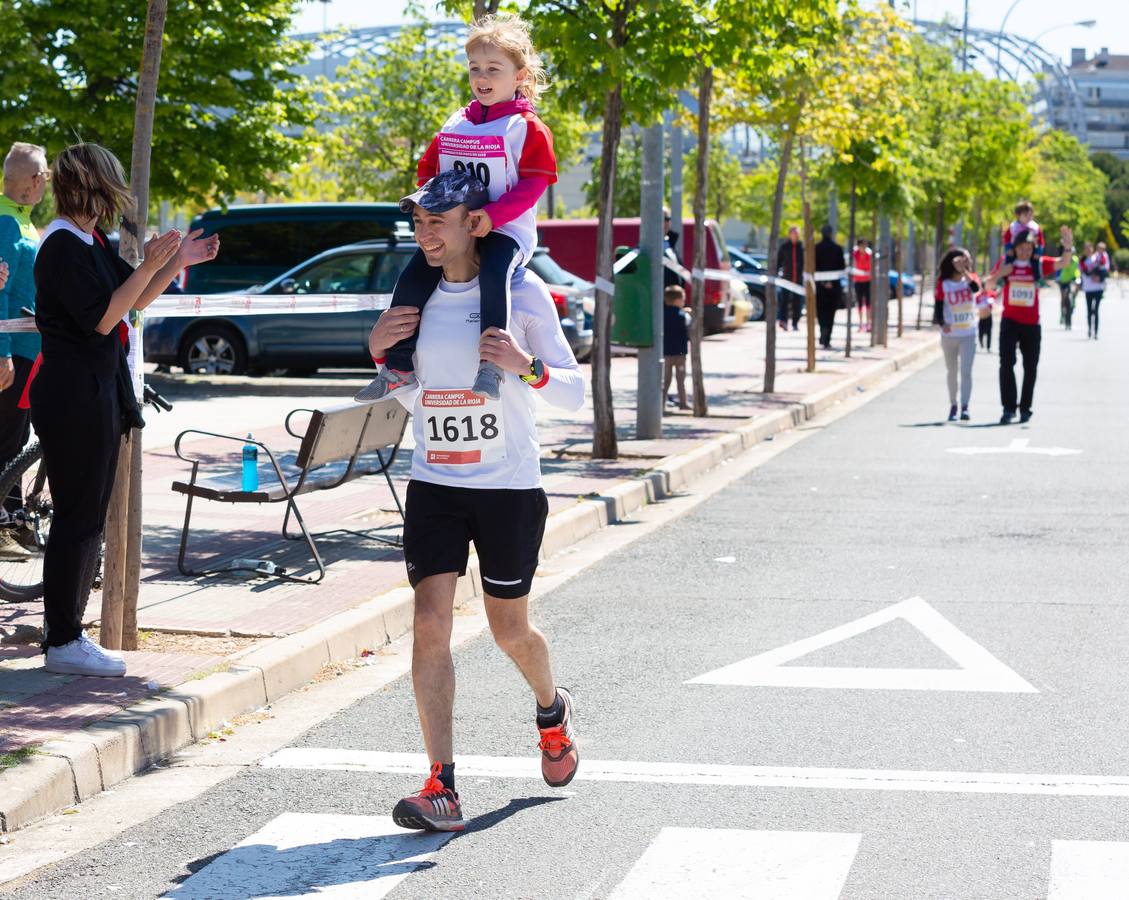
<point x="250" y="466"/>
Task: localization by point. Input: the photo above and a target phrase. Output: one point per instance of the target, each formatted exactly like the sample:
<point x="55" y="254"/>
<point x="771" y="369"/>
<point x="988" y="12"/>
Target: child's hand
<point x="480" y="224"/>
<point x="1067" y="236"/>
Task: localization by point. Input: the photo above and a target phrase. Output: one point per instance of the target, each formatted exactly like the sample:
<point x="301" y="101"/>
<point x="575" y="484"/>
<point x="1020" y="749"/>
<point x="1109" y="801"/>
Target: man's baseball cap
<point x="446" y="191"/>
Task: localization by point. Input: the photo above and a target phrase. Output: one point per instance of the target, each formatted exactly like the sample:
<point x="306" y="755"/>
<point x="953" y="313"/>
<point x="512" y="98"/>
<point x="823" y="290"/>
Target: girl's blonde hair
<point x="89" y="181"/>
<point x="510" y="34"/>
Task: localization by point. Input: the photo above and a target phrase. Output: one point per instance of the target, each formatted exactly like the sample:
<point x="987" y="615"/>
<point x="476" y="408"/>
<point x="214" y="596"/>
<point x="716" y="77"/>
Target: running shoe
<point x="435" y="808"/>
<point x="387" y="383"/>
<point x="1025" y="416"/>
<point x="964" y="416"/>
<point x="488" y="381"/>
<point x="952" y="413"/>
<point x="1008" y="417"/>
<point x="559" y="755"/>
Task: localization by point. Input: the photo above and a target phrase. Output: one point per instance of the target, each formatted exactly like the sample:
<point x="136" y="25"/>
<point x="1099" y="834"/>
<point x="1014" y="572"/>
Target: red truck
<point x="572" y="243"/>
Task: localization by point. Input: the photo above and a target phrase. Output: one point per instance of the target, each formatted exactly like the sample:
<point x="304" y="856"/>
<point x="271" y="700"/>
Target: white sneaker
<point x="84" y="657"/>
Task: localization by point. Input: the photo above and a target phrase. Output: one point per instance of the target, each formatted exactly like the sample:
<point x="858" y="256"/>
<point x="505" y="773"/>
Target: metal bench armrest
<point x="297" y="434"/>
<point x="239" y="440"/>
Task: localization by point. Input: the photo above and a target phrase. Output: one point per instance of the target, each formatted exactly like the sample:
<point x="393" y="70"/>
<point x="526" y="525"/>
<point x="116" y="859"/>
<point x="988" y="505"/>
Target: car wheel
<point x="213" y="349"/>
<point x="757" y="301"/>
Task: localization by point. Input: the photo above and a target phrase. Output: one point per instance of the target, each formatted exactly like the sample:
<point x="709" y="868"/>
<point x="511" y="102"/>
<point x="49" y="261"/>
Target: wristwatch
<point x="536" y="371"/>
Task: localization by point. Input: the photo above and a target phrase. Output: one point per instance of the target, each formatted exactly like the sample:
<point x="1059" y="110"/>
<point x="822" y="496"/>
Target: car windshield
<point x="551" y="273"/>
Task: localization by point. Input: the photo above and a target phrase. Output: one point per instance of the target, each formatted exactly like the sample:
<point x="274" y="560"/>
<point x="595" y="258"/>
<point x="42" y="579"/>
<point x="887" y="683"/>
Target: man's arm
<point x="1067" y="249"/>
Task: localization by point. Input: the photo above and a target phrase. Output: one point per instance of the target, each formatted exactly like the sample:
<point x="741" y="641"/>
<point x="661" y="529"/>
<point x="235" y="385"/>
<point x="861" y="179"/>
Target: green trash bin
<point x="632" y="322"/>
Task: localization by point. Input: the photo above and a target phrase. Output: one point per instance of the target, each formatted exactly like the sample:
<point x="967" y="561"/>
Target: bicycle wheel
<point x="25" y="479"/>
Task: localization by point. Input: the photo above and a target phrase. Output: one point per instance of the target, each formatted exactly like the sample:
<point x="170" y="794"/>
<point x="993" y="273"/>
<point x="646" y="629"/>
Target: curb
<point x="72" y="769"/>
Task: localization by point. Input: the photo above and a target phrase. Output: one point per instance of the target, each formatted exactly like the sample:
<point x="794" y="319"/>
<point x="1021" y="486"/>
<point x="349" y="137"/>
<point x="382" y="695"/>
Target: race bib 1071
<point x="462" y="429"/>
<point x="483" y="156"/>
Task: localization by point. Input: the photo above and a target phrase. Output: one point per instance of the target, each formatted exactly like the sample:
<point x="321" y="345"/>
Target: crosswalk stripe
<point x="1089" y="870"/>
<point x="1060" y="785"/>
<point x="300" y="854"/>
<point x="738" y="864"/>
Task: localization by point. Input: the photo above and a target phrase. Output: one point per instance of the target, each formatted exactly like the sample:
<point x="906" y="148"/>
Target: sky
<point x="1029" y="18"/>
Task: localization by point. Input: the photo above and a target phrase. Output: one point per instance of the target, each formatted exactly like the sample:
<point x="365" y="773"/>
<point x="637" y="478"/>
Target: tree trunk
<point x="851" y="264"/>
<point x="604" y="445"/>
<point x="698" y="290"/>
<point x="809" y="260"/>
<point x="122" y="580"/>
<point x="769" y="385"/>
<point x="900" y="289"/>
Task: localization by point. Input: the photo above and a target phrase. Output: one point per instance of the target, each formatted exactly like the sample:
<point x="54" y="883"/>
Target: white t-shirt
<point x="462" y="440"/>
<point x="960" y="309"/>
<point x="1090" y="280"/>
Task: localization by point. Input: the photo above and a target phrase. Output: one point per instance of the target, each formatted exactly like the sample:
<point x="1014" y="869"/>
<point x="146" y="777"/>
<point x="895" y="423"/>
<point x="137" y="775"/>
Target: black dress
<point x="81" y="401"/>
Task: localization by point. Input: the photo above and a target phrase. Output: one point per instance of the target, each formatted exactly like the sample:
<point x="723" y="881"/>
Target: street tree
<point x="229" y="111"/>
<point x="622" y="59"/>
<point x="1066" y="188"/>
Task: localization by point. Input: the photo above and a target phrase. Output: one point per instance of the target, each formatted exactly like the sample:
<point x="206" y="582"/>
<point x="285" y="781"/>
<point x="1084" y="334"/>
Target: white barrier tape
<point x="602" y="284"/>
<point x="18" y="326"/>
<point x="624" y="261"/>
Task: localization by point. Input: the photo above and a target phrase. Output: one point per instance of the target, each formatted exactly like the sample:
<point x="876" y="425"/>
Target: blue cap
<point x="446" y="191"/>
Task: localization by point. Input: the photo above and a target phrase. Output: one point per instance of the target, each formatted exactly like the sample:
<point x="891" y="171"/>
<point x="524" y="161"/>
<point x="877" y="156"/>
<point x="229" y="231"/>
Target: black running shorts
<point x="505" y="525"/>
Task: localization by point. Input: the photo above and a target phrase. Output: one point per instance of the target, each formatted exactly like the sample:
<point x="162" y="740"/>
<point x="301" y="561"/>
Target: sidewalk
<point x="214" y="648"/>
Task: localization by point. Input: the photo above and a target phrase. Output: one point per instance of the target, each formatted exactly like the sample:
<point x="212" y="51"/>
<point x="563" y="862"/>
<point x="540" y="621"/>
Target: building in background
<point x="1103" y="83"/>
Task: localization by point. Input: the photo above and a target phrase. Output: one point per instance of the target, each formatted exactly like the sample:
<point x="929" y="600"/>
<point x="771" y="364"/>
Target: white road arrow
<point x="979" y="670"/>
<point x="1019" y="445"/>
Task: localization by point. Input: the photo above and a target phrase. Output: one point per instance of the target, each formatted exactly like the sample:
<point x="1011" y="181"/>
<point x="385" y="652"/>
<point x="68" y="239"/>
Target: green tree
<point x="1067" y="189"/>
<point x="623" y="59"/>
<point x="1117" y="194"/>
<point x="383" y="110"/>
<point x="226" y="110"/>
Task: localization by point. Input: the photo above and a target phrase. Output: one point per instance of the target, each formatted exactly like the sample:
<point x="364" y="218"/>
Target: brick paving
<point x="35" y="706"/>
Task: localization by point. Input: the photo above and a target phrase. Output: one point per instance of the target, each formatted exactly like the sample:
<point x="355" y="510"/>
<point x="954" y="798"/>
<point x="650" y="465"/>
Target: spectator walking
<point x="1095" y="270"/>
<point x="82" y="398"/>
<point x="25" y="179"/>
<point x="1019" y="325"/>
<point x="670" y="252"/>
<point x="863" y="260"/>
<point x="828" y="294"/>
<point x="1068" y="280"/>
<point x="676" y="342"/>
<point x="790" y="267"/>
<point x="958" y="328"/>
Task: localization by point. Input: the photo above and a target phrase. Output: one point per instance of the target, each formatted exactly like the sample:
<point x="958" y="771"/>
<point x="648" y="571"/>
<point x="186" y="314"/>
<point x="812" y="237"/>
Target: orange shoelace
<point x="554" y="739"/>
<point x="433" y="785"/>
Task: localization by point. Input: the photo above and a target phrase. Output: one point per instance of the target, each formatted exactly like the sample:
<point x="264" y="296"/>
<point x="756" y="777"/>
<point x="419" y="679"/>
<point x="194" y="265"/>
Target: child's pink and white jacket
<point x="510" y="150"/>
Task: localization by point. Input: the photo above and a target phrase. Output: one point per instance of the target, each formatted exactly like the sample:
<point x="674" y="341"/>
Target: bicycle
<point x="25" y="478"/>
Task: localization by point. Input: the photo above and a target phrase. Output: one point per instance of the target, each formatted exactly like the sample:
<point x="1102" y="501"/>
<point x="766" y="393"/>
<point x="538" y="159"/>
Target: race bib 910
<point x="1021" y="293"/>
<point x="462" y="429"/>
<point x="483" y="156"/>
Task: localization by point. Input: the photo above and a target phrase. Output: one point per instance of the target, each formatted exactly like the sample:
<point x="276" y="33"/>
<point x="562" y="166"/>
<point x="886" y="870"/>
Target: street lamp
<point x="1085" y="23"/>
<point x="1000" y="39"/>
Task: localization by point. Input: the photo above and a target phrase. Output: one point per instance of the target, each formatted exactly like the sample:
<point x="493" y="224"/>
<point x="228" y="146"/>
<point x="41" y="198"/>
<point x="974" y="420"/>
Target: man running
<point x="1019" y="326"/>
<point x="476" y="476"/>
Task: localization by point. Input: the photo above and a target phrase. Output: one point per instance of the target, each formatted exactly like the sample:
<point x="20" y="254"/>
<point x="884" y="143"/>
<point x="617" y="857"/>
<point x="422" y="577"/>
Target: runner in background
<point x="959" y="290"/>
<point x="1019" y="326"/>
<point x="1095" y="270"/>
<point x="985" y="303"/>
<point x="1068" y="280"/>
<point x="863" y="263"/>
<point x="500" y="140"/>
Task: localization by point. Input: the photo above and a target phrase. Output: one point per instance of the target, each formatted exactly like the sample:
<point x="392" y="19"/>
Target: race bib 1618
<point x="462" y="429"/>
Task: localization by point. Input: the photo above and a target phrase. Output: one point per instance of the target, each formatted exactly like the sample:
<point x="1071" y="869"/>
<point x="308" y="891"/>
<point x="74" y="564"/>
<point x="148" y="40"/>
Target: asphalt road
<point x="876" y="765"/>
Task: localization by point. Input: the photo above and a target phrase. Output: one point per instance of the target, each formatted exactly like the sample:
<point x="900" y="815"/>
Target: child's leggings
<point x="498" y="256"/>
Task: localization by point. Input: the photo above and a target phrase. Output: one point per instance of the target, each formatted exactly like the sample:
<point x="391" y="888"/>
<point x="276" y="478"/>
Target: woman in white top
<point x="1095" y="270"/>
<point x="959" y="326"/>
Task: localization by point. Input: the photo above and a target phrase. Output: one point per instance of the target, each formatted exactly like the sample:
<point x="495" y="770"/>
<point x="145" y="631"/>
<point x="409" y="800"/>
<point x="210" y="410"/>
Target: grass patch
<point x="13" y="759"/>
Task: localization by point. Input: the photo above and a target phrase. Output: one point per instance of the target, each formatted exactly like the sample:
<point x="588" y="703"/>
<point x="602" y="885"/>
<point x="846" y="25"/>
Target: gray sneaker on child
<point x="387" y="383"/>
<point x="488" y="381"/>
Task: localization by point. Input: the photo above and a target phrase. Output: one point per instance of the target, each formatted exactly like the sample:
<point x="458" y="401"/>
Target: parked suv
<point x="305" y="342"/>
<point x="258" y="243"/>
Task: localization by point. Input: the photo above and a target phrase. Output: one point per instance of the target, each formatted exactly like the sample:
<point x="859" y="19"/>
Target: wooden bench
<point x="338" y="445"/>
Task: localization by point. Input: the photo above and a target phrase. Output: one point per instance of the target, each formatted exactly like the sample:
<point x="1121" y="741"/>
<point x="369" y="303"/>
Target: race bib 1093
<point x="1021" y="293"/>
<point x="483" y="156"/>
<point x="462" y="429"/>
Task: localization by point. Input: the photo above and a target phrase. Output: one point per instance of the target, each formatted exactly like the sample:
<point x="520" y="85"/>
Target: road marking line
<point x="979" y="671"/>
<point x="412" y="764"/>
<point x="1089" y="870"/>
<point x="732" y="863"/>
<point x="330" y="855"/>
<point x="1019" y="445"/>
